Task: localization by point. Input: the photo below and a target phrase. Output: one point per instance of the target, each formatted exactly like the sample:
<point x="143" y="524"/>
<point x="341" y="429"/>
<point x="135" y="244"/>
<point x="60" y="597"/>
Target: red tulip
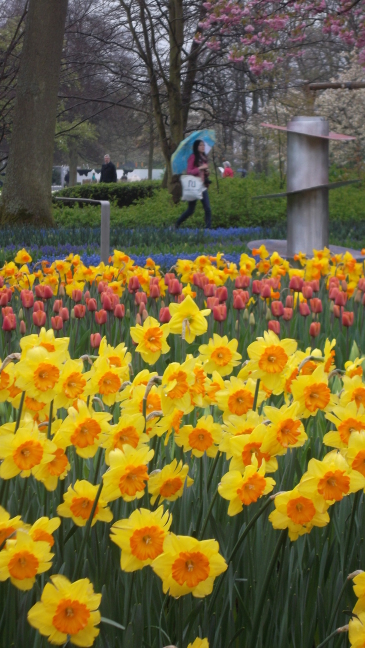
<point x="316" y="305"/>
<point x="164" y="315"/>
<point x="57" y="323"/>
<point x="256" y="287"/>
<point x="222" y="294"/>
<point x="119" y="311"/>
<point x="307" y="292"/>
<point x="175" y="287"/>
<point x="169" y="276"/>
<point x="209" y="290"/>
<point x="289" y="302"/>
<point x="266" y="291"/>
<point x="347" y="318"/>
<point x="341" y="299"/>
<point x="220" y="313"/>
<point x="92" y="304"/>
<point x="296" y="283"/>
<point x="95" y="339"/>
<point x="133" y="285"/>
<point x="333" y="292"/>
<point x="7" y="310"/>
<point x="277" y="308"/>
<point x="101" y="287"/>
<point x="337" y="310"/>
<point x="4" y="298"/>
<point x="101" y="316"/>
<point x="287" y="314"/>
<point x="38" y="306"/>
<point x="64" y="314"/>
<point x="361" y="284"/>
<point x="39" y="318"/>
<point x="314" y="329"/>
<point x="274" y="325"/>
<point x="107" y="302"/>
<point x="22" y="327"/>
<point x="27" y="298"/>
<point x="80" y="311"/>
<point x="242" y="281"/>
<point x="57" y="305"/>
<point x="212" y="301"/>
<point x="76" y="295"/>
<point x="140" y="298"/>
<point x="304" y="309"/>
<point x="9" y="322"/>
<point x="315" y="285"/>
<point x="155" y="291"/>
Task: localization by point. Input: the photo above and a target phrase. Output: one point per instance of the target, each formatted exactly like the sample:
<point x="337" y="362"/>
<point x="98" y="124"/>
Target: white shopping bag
<point x="192" y="187"/>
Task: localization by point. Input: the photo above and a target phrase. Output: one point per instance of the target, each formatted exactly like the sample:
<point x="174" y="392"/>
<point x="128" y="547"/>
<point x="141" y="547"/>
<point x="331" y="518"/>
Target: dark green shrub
<point x="121" y="194"/>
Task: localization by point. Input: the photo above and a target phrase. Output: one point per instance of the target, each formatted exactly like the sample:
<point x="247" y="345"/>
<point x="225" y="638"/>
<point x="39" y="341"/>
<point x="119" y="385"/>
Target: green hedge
<point x="121" y="194"/>
<point x="233" y="205"/>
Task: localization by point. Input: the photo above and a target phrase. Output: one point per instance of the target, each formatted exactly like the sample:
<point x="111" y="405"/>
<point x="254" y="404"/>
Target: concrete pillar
<point x="307" y="166"/>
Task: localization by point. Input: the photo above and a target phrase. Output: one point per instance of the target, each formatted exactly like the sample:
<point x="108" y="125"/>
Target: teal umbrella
<point x="179" y="159"/>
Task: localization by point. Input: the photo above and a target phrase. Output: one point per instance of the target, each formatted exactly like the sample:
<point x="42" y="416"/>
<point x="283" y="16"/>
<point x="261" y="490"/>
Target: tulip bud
<point x="277" y="308"/>
<point x="361" y="284"/>
<point x="57" y="323"/>
<point x="22" y="327"/>
<point x="39" y="318"/>
<point x="138" y="319"/>
<point x="256" y="287"/>
<point x="6" y="311"/>
<point x="133" y="285"/>
<point x="20" y="314"/>
<point x="175" y="287"/>
<point x="344" y="285"/>
<point x="304" y="309"/>
<point x="80" y="311"/>
<point x="141" y="308"/>
<point x="209" y="290"/>
<point x="154" y="281"/>
<point x="72" y="313"/>
<point x="238" y="302"/>
<point x="307" y="292"/>
<point x="211" y="302"/>
<point x="220" y="313"/>
<point x="347" y="318"/>
<point x="268" y="315"/>
<point x="180" y="298"/>
<point x="95" y="339"/>
<point x="341" y="299"/>
<point x="287" y="314"/>
<point x="246" y="314"/>
<point x="155" y="291"/>
<point x="274" y="325"/>
<point x="314" y="329"/>
<point x="315" y="285"/>
<point x="92" y="305"/>
<point x="333" y="292"/>
<point x="76" y="295"/>
<point x="140" y="298"/>
<point x="86" y="295"/>
<point x="289" y="302"/>
<point x="144" y="315"/>
<point x="101" y="316"/>
<point x="337" y="310"/>
<point x="119" y="311"/>
<point x="61" y="290"/>
<point x="332" y="306"/>
<point x="316" y="305"/>
<point x="251" y="319"/>
<point x="242" y="281"/>
<point x="128" y="313"/>
<point x="296" y="284"/>
<point x="4" y="299"/>
<point x="27" y="298"/>
<point x="358" y="296"/>
<point x="38" y="306"/>
<point x="9" y="322"/>
<point x="169" y="276"/>
<point x="164" y="315"/>
<point x="57" y="305"/>
<point x="266" y="291"/>
<point x="64" y="314"/>
<point x="222" y="294"/>
<point x="107" y="303"/>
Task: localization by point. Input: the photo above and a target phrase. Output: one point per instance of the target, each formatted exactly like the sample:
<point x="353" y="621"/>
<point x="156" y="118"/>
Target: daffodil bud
<point x="128" y="313"/>
<point x="72" y="313"/>
<point x="332" y="306"/>
<point x="268" y="315"/>
<point x="251" y="319"/>
<point x="20" y="314"/>
<point x="246" y="314"/>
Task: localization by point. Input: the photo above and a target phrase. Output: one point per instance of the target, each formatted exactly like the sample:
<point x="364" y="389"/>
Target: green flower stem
<point x="201" y="534"/>
<point x="20" y="411"/>
<point x="50" y="420"/>
<point x="256" y="395"/>
<point x="86" y="534"/>
<point x="129" y="602"/>
<point x="22" y="497"/>
<point x="97" y="467"/>
<point x="265" y="585"/>
<point x="335" y="609"/>
<point x="331" y="636"/>
<point x="352" y="521"/>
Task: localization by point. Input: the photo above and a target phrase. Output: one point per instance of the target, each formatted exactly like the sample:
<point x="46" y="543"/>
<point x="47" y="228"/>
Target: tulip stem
<point x="255" y="399"/>
<point x="264" y="590"/>
<point x="86" y="534"/>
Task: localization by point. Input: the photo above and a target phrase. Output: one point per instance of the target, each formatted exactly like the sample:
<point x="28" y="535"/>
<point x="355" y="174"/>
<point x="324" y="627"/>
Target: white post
<point x="105" y="231"/>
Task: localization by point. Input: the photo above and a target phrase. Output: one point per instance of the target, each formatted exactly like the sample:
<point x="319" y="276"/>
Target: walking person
<point x="198" y="166"/>
<point x="228" y="171"/>
<point x="108" y="170"/>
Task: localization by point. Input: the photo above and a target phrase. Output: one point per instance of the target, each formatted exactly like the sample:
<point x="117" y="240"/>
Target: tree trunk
<point x="151" y="146"/>
<point x="26" y="195"/>
<point x="73" y="163"/>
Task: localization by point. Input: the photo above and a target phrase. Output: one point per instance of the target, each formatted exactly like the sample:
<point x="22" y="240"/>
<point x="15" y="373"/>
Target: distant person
<point x="228" y="171"/>
<point x="108" y="170"/>
<point x="93" y="177"/>
<point x="66" y="179"/>
<point x="198" y="166"/>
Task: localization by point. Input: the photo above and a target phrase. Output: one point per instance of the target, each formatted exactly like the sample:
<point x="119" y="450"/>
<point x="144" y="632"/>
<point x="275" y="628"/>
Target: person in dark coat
<point x="198" y="166"/>
<point x="108" y="170"/>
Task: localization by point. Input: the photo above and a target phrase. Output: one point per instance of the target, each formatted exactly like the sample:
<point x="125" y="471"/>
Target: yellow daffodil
<point x="22" y="257"/>
<point x="168" y="483"/>
<point x="83" y="428"/>
<point x="67" y="612"/>
<point x="212" y="386"/>
<point x="71" y="384"/>
<point x="49" y="473"/>
<point x="285" y="431"/>
<point x="141" y="537"/>
<point x="39" y="372"/>
<point x="43" y="529"/>
<point x="150" y="339"/>
<point x="354" y="368"/>
<point x="78" y="503"/>
<point x="359" y="591"/>
<point x="297" y="513"/>
<point x="355" y="453"/>
<point x="245" y="447"/>
<point x="244" y="489"/>
<point x="127" y="475"/>
<point x="204" y="437"/>
<point x="128" y="431"/>
<point x="312" y="393"/>
<point x="118" y="357"/>
<point x="153" y="404"/>
<point x="106" y="380"/>
<point x="236" y="425"/>
<point x="8" y="525"/>
<point x="46" y="340"/>
<point x="199" y="643"/>
<point x="23" y="451"/>
<point x="330" y="480"/>
<point x="270" y="356"/>
<point x="188" y="566"/>
<point x="176" y="382"/>
<point x="187" y="320"/>
<point x="357" y="630"/>
<point x="347" y="420"/>
<point x="219" y="355"/>
<point x="22" y="559"/>
<point x="353" y="390"/>
<point x="198" y="390"/>
<point x="238" y="397"/>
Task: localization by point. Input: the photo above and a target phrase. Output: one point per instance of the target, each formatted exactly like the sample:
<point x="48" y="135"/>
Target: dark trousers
<point x="191" y="209"/>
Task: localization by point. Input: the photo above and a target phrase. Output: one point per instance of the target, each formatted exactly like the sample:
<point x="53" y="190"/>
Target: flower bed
<point x="182" y="455"/>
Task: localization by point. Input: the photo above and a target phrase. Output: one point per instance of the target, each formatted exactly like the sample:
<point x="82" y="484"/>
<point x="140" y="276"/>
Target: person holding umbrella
<point x="198" y="166"/>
